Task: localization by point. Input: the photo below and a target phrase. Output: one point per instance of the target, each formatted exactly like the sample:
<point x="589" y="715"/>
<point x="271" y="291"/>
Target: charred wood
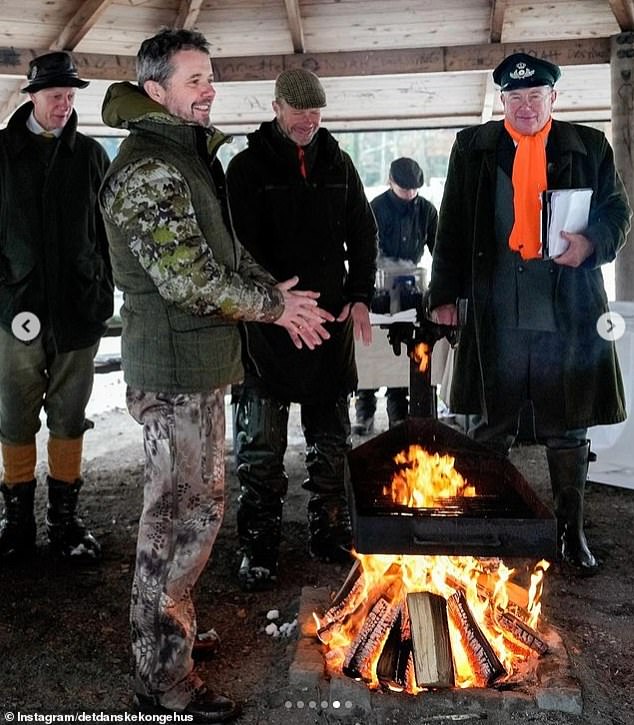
<point x="520" y="632"/>
<point x="485" y="664"/>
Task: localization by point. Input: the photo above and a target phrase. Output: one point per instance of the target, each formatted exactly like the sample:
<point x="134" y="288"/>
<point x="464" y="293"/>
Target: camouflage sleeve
<point x="151" y="203"/>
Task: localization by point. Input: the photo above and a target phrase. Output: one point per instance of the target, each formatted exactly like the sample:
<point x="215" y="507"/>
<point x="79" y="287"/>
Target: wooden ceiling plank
<point x="295" y="24"/>
<point x="623" y="11"/>
<point x="497" y="19"/>
<point x="188" y="13"/>
<point x="488" y="100"/>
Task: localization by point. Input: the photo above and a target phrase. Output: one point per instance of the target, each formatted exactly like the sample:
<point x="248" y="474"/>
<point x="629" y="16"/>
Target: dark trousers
<point x="261" y="440"/>
<point x="528" y="370"/>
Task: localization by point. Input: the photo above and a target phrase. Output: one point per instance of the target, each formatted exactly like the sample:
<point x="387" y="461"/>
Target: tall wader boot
<point x="17" y="526"/>
<point x="397" y="405"/>
<point x="364" y="408"/>
<point x="327" y="432"/>
<point x="67" y="535"/>
<point x="568" y="472"/>
<point x="261" y="425"/>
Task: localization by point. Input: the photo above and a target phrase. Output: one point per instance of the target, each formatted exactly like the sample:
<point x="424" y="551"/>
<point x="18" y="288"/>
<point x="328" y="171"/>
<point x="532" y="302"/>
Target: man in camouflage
<point x="186" y="283"/>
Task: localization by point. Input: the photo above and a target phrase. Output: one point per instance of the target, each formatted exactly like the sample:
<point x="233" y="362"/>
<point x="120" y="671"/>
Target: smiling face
<point x="189" y="92"/>
<point x="528" y="109"/>
<point x="300" y="125"/>
<point x="52" y="106"/>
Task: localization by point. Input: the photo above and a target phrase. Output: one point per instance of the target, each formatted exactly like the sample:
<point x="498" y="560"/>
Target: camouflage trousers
<point x="183" y="506"/>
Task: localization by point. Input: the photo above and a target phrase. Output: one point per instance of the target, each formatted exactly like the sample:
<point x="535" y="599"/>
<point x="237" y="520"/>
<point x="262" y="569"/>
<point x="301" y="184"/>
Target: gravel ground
<point x="64" y="633"/>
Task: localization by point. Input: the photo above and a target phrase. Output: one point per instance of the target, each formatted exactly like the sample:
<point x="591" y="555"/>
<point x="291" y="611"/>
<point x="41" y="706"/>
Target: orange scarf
<point x="529" y="180"/>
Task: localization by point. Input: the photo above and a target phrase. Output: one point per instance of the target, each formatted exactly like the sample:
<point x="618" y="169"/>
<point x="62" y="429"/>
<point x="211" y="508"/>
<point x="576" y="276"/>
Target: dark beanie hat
<point x="300" y="88"/>
<point x="406" y="173"/>
<point x="525" y="71"/>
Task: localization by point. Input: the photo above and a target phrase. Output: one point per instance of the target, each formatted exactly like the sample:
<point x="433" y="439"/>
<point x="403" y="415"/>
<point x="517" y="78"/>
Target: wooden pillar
<point x="622" y="85"/>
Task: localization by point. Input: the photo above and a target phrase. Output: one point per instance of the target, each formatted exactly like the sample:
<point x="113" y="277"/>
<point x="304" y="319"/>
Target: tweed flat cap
<point x="300" y="89"/>
<point x="53" y="70"/>
<point x="520" y="70"/>
<point x="406" y="173"/>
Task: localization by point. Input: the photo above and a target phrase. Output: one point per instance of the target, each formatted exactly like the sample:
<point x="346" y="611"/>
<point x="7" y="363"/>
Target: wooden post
<point x="622" y="85"/>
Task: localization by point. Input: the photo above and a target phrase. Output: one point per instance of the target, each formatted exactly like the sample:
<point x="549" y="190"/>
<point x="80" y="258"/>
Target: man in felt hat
<point x="531" y="336"/>
<point x="299" y="207"/>
<point x="56" y="295"/>
<point x="407" y="223"/>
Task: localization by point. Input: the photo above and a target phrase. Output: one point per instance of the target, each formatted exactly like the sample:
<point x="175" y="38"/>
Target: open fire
<point x="414" y="622"/>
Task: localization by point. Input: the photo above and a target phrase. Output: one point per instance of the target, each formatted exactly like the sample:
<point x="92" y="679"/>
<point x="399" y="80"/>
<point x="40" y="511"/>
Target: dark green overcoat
<point x="465" y="257"/>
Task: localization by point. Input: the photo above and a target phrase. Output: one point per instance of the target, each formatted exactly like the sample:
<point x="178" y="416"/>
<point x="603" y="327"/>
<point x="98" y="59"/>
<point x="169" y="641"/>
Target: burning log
<point x="484" y="662"/>
<point x="371" y="638"/>
<point x="520" y="632"/>
<point x="433" y="662"/>
<point x="351" y="605"/>
<point x="395" y="667"/>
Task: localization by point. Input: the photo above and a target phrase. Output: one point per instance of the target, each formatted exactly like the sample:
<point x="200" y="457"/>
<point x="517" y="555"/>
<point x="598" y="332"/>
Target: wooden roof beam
<point x="80" y="24"/>
<point x="295" y="24"/>
<point x="450" y="59"/>
<point x="498" y="8"/>
<point x="74" y="31"/>
<point x="187" y="15"/>
<point x="623" y="11"/>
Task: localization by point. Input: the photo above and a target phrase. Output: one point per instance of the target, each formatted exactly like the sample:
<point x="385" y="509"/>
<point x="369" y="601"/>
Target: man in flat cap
<point x="407" y="223"/>
<point x="298" y="205"/>
<point x="56" y="295"/>
<point x="531" y="336"/>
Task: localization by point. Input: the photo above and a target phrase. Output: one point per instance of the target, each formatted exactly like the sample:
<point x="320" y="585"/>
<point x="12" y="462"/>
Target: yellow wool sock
<point x="64" y="458"/>
<point x="19" y="463"/>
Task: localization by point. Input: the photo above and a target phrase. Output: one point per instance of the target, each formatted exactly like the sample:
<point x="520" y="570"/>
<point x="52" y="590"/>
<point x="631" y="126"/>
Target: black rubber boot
<point x="365" y="408"/>
<point x="568" y="471"/>
<point x="260" y="446"/>
<point x="67" y="535"/>
<point x="17" y="527"/>
<point x="329" y="529"/>
<point x="397" y="406"/>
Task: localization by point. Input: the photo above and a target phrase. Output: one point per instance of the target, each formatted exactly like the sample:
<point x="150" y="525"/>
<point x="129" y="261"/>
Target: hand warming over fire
<point x="302" y="318"/>
<point x="579" y="249"/>
<point x="360" y="321"/>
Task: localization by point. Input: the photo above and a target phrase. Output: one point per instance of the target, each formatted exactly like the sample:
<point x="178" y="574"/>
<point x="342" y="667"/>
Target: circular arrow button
<point x="611" y="326"/>
<point x="26" y="326"/>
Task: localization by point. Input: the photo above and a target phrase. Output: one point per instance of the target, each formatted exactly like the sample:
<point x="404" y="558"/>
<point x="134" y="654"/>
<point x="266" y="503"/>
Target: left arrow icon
<point x="26" y="326"/>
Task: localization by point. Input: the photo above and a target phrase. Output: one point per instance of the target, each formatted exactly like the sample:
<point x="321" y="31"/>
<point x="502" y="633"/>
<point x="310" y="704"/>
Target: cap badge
<point x="521" y="71"/>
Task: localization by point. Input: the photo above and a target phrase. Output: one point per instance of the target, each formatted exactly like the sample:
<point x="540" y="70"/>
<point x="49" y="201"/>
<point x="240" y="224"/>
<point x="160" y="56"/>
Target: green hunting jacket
<point x="186" y="283"/>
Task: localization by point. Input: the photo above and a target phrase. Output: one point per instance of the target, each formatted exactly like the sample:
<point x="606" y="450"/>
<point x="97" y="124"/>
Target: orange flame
<point x="486" y="583"/>
<point x="423" y="478"/>
<point x="420" y="355"/>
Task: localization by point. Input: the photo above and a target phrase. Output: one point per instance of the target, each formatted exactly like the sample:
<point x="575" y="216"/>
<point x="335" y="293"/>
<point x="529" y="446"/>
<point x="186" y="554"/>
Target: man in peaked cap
<point x="56" y="295"/>
<point x="407" y="223"/>
<point x="531" y="338"/>
<point x="299" y="207"/>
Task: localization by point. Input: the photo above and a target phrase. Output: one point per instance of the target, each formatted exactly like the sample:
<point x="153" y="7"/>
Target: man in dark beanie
<point x="531" y="335"/>
<point x="298" y="205"/>
<point x="56" y="294"/>
<point x="407" y="223"/>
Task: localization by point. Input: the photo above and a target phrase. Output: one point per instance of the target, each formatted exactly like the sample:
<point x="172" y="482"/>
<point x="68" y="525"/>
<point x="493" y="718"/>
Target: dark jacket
<point x="53" y="250"/>
<point x="185" y="281"/>
<point x="465" y="258"/>
<point x="322" y="230"/>
<point x="405" y="227"/>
